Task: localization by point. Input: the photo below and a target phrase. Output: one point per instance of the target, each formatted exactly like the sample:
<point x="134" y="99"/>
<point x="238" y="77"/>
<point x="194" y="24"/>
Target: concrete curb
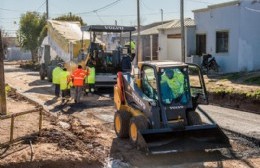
<point x="35" y="102"/>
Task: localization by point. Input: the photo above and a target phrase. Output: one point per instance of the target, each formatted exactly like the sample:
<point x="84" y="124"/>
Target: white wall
<point x="190" y="41"/>
<point x="243" y="23"/>
<point x="226" y="18"/>
<point x="16" y="54"/>
<point x="249" y="38"/>
<point x="174" y="49"/>
<point x="168" y="46"/>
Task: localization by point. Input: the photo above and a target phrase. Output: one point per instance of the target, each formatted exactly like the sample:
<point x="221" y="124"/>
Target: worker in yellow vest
<point x="91" y="78"/>
<point x="65" y="84"/>
<point x="55" y="79"/>
<point x="173" y="86"/>
<point x="131" y="46"/>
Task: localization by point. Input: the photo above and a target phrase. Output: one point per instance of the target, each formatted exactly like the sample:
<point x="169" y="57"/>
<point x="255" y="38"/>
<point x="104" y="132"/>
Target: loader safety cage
<point x="106" y="74"/>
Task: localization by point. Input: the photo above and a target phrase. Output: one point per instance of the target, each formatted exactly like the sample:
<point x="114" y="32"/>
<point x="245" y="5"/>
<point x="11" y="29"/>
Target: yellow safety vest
<point x="91" y="78"/>
<point x="64" y="80"/>
<point x="55" y="75"/>
<point x="132" y="46"/>
<point x="176" y="83"/>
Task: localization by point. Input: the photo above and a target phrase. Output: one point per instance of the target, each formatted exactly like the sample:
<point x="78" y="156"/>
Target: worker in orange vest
<point x="78" y="77"/>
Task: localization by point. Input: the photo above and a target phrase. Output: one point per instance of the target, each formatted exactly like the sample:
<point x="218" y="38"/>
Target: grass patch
<point x="230" y="91"/>
<point x="233" y="76"/>
<point x="255" y="94"/>
<point x="253" y="80"/>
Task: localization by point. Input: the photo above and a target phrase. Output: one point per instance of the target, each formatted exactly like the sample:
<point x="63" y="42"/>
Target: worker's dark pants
<point x="78" y="90"/>
<point x="65" y="94"/>
<point x="57" y="90"/>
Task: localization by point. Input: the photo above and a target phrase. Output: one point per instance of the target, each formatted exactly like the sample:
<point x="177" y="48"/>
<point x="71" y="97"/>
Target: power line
<point x="11" y="18"/>
<point x="11" y="10"/>
<point x="100" y="18"/>
<point x="145" y="6"/>
<point x="41" y="5"/>
<point x="100" y="9"/>
<point x="134" y="15"/>
<point x="199" y="1"/>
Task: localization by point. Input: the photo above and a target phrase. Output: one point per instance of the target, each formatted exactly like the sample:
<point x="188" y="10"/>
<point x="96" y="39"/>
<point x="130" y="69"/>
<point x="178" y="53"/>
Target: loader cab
<point x="168" y="84"/>
<point x="180" y="85"/>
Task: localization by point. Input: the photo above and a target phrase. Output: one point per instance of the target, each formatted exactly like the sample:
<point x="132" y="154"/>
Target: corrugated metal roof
<point x="172" y="24"/>
<point x="154" y="30"/>
<point x="187" y="23"/>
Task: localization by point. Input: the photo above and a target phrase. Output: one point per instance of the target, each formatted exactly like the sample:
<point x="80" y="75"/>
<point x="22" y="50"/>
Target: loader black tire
<point x="139" y="123"/>
<point x="193" y="118"/>
<point x="121" y="123"/>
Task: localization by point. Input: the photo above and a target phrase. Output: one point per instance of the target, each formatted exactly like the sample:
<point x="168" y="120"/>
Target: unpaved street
<point x="97" y="111"/>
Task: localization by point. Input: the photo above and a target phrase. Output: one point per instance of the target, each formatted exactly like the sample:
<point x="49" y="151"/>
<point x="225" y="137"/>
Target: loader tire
<point x="194" y="118"/>
<point x="121" y="123"/>
<point x="137" y="123"/>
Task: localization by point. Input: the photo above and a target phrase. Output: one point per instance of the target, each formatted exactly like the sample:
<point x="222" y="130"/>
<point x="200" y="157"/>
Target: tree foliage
<point x="5" y="41"/>
<point x="31" y="26"/>
<point x="70" y="17"/>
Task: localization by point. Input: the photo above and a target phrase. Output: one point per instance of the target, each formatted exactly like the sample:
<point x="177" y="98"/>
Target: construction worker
<point x="91" y="78"/>
<point x="56" y="79"/>
<point x="131" y="46"/>
<point x="78" y="81"/>
<point x="65" y="80"/>
<point x="126" y="63"/>
<point x="172" y="86"/>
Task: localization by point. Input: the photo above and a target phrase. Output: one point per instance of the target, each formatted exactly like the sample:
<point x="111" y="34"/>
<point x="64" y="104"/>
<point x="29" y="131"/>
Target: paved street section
<point x="237" y="121"/>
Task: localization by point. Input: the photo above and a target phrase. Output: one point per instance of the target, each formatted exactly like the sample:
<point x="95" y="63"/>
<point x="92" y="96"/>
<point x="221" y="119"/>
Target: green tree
<point x="70" y="17"/>
<point x="31" y="26"/>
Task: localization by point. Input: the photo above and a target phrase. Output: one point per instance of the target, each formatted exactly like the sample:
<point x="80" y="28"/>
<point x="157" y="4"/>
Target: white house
<point x="231" y="33"/>
<point x="170" y="40"/>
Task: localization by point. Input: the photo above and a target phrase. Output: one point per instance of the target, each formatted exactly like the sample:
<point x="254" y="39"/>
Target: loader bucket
<point x="168" y="140"/>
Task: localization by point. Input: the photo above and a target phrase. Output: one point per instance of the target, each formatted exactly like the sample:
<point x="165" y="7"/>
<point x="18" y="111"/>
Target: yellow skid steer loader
<point x="157" y="108"/>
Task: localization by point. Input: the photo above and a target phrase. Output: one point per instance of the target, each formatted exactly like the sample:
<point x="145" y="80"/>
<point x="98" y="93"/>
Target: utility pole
<point x="2" y="79"/>
<point x="47" y="9"/>
<point x="139" y="56"/>
<point x="182" y="31"/>
<point x="162" y="17"/>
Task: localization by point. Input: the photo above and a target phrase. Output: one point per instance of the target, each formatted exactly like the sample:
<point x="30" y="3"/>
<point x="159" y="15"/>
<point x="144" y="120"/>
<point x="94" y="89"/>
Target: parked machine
<point x="157" y="109"/>
<point x="64" y="44"/>
<point x="209" y="63"/>
<point x="109" y="61"/>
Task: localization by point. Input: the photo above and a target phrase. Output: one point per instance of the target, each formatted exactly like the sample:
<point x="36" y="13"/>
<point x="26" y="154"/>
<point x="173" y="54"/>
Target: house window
<point x="221" y="41"/>
<point x="200" y="44"/>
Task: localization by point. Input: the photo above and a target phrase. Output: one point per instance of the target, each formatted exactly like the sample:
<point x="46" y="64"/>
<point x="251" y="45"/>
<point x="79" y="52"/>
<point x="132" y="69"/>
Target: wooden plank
<point x="19" y="114"/>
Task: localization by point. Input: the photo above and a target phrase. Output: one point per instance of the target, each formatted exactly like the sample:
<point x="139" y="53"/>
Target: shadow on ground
<point x="39" y="82"/>
<point x="41" y="90"/>
<point x="122" y="149"/>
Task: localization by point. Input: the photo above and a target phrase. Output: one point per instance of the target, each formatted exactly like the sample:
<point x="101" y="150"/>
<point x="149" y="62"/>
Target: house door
<point x="174" y="47"/>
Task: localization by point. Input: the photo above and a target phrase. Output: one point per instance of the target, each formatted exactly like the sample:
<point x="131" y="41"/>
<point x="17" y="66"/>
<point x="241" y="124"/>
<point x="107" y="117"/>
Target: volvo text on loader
<point x="157" y="108"/>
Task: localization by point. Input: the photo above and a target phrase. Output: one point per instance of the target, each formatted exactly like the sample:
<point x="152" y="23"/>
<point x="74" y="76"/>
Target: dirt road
<point x="95" y="116"/>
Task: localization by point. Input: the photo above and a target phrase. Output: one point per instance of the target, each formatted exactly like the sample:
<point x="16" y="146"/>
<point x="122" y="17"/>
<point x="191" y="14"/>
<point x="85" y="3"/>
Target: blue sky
<point x="124" y="11"/>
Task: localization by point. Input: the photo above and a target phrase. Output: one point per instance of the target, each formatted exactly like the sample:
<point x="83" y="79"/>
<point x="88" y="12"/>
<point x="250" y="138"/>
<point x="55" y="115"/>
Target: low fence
<point x="13" y="116"/>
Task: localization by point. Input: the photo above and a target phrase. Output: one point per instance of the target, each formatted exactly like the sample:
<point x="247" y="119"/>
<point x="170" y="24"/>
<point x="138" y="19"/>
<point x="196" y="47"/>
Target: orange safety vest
<point x="78" y="77"/>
